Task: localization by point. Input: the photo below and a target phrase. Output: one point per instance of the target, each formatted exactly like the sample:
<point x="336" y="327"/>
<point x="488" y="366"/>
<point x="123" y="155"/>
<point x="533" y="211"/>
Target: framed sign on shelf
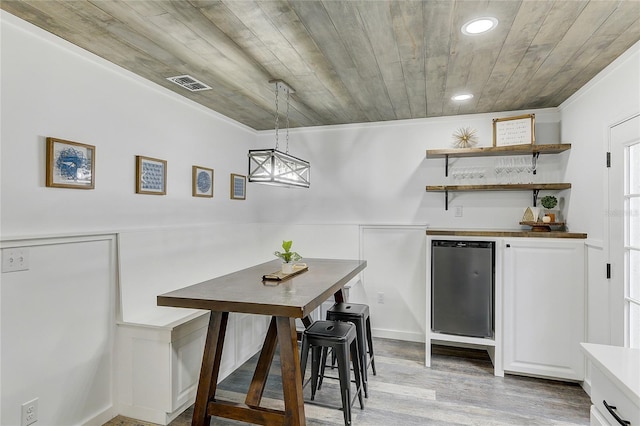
<point x="202" y="182"/>
<point x="518" y="130"/>
<point x="238" y="187"/>
<point x="151" y="176"/>
<point x="70" y="164"/>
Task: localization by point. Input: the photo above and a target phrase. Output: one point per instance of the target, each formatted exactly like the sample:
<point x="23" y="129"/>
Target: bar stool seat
<point x="341" y="338"/>
<point x="358" y="314"/>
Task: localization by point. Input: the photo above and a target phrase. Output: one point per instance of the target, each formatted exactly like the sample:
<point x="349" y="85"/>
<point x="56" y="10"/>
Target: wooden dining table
<point x="245" y="291"/>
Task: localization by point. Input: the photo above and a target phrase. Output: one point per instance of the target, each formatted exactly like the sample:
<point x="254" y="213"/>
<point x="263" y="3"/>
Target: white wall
<point x="65" y="304"/>
<point x="608" y="98"/>
<point x="611" y="96"/>
<point x="156" y="261"/>
<point x="51" y="88"/>
<point x="58" y="326"/>
<point x="377" y="173"/>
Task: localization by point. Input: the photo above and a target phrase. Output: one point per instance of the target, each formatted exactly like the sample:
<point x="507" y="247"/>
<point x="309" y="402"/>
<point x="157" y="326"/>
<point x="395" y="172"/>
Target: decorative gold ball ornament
<point x="465" y="138"/>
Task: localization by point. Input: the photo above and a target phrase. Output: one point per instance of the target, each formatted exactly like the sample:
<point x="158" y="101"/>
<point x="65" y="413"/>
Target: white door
<point x="624" y="232"/>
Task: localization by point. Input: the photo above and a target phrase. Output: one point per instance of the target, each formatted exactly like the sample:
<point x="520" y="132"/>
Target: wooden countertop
<point x="505" y="233"/>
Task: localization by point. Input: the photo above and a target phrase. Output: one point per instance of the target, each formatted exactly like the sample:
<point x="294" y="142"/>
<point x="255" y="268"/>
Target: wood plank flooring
<point x="459" y="389"/>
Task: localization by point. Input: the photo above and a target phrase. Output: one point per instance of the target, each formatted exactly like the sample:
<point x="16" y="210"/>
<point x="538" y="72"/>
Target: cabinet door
<point x="544" y="307"/>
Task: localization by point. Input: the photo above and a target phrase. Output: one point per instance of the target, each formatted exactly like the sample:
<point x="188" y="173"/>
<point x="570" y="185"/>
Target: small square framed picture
<point x="201" y="182"/>
<point x="238" y="187"/>
<point x="151" y="176"/>
<point x="70" y="164"/>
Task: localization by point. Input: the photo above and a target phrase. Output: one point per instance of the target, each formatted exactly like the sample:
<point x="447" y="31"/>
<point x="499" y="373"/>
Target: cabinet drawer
<point x="602" y="389"/>
<point x="597" y="418"/>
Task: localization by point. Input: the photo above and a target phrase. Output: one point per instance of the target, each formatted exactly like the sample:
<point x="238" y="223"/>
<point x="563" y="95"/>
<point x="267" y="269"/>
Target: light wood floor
<point x="458" y="389"/>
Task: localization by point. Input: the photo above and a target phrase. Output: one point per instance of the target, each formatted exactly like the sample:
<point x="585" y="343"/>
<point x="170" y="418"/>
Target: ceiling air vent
<point x="189" y="83"/>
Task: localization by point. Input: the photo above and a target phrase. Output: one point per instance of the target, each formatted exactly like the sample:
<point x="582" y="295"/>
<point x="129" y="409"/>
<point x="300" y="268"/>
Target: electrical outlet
<point x="380" y="297"/>
<point x="29" y="412"/>
<point x="458" y="211"/>
<point x="15" y="259"/>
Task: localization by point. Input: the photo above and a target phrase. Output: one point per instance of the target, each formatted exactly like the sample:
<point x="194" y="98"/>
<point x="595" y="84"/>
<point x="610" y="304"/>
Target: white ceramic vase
<point x="287" y="267"/>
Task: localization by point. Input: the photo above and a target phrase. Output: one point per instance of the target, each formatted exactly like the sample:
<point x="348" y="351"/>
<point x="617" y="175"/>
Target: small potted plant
<point x="287" y="256"/>
<point x="549" y="202"/>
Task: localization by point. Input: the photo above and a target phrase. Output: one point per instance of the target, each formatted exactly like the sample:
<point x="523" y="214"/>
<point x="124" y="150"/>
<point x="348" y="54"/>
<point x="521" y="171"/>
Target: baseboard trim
<point x="407" y="336"/>
<point x="102" y="417"/>
<point x="151" y="415"/>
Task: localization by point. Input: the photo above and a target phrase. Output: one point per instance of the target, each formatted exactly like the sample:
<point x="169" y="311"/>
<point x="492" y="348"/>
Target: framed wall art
<point x="518" y="130"/>
<point x="70" y="164"/>
<point x="238" y="187"/>
<point x="151" y="176"/>
<point x="202" y="182"/>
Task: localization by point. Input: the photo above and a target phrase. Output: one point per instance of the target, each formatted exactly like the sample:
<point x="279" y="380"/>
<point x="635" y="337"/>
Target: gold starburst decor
<point x="465" y="138"/>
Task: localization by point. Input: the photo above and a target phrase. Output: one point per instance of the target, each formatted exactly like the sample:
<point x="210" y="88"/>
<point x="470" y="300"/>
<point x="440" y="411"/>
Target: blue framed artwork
<point x="151" y="176"/>
<point x="70" y="164"/>
<point x="202" y="182"/>
<point x="238" y="187"/>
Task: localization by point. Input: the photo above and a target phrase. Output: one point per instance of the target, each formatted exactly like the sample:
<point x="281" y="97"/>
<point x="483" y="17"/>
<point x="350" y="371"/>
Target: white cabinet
<point x="544" y="307"/>
<point x="159" y="364"/>
<point x="539" y="304"/>
<point x="615" y="384"/>
<point x="158" y="367"/>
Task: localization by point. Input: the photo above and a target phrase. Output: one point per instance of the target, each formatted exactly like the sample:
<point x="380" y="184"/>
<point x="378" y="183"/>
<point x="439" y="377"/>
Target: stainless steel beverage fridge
<point x="462" y="287"/>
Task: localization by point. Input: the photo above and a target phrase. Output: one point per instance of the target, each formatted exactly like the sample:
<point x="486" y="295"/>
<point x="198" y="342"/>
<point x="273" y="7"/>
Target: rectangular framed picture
<point x="151" y="176"/>
<point x="202" y="182"/>
<point x="238" y="187"/>
<point x="518" y="130"/>
<point x="70" y="164"/>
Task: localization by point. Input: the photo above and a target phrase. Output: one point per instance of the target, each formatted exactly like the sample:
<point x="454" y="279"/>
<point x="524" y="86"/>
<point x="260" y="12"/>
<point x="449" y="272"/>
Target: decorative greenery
<point x="287" y="256"/>
<point x="549" y="201"/>
<point x="465" y="138"/>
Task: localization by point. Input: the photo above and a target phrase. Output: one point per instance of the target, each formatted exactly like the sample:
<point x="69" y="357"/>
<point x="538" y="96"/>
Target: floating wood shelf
<point x="501" y="187"/>
<point x="543" y="226"/>
<point x="499" y="150"/>
<point x="528" y="149"/>
<point x="535" y="187"/>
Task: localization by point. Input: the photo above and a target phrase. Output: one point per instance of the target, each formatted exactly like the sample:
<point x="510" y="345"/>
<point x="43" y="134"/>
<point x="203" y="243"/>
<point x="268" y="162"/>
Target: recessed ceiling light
<point x="479" y="25"/>
<point x="462" y="97"/>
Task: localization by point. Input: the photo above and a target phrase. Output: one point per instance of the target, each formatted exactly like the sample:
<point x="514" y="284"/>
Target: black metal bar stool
<point x="341" y="338"/>
<point x="358" y="314"/>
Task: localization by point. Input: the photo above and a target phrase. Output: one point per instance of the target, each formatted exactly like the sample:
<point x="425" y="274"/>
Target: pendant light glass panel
<point x="274" y="167"/>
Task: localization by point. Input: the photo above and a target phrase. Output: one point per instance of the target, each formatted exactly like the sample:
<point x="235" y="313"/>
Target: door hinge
<point x="608" y="271"/>
<point x="608" y="159"/>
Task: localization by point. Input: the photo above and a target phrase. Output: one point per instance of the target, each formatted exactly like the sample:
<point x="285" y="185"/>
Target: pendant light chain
<point x="277" y="115"/>
<point x="287" y="151"/>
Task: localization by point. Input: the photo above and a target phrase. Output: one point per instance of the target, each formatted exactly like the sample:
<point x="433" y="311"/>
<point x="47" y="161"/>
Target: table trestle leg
<point x="291" y="376"/>
<point x="261" y="373"/>
<point x="210" y="367"/>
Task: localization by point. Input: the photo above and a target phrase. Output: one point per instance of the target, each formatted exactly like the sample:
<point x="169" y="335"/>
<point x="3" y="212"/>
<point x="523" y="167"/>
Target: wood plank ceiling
<point x="350" y="61"/>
